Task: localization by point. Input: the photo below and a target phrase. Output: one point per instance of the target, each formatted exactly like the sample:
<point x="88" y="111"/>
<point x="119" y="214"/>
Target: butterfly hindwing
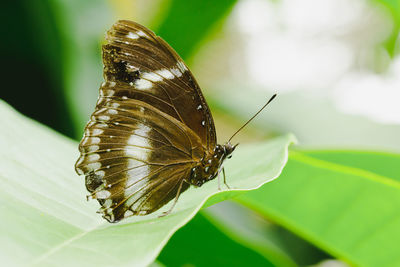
<point x="132" y="154"/>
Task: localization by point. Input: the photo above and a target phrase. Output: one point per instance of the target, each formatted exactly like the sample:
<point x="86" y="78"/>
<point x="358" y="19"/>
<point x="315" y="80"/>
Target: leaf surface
<point x="46" y="220"/>
<point x="346" y="203"/>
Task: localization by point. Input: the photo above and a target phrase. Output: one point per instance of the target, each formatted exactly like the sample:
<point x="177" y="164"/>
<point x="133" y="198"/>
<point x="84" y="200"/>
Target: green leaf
<point x="199" y="243"/>
<point x="275" y="243"/>
<point x="382" y="163"/>
<point x="47" y="221"/>
<point x="393" y="7"/>
<point x="346" y="203"/>
<point x="81" y="26"/>
<point x="246" y="228"/>
<point x="188" y="21"/>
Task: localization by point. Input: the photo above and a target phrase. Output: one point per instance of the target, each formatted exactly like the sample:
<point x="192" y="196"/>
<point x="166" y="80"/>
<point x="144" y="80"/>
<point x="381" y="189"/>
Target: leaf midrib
<point x="323" y="164"/>
<point x="63" y="244"/>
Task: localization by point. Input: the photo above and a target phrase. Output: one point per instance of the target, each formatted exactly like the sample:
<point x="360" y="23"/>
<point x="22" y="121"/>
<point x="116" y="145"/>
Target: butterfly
<point x="152" y="134"/>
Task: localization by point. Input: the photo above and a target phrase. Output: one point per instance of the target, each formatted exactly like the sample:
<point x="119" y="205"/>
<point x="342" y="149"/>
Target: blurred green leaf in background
<point x="393" y="7"/>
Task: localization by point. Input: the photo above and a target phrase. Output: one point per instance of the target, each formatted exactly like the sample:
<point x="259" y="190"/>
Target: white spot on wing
<point x="128" y="213"/>
<point x="142" y="130"/>
<point x="112" y="84"/>
<point x="112" y="111"/>
<point x="181" y="66"/>
<point x="133" y="191"/>
<point x="102" y="125"/>
<point x="152" y="76"/>
<point x="142" y="34"/>
<point x="142" y="84"/>
<point x="92" y="148"/>
<point x="107" y="203"/>
<point x="104" y="118"/>
<point x="103" y="194"/>
<point x="138" y="141"/>
<point x="176" y="72"/>
<point x="134" y="163"/>
<point x="97" y="131"/>
<point x="130" y="67"/>
<point x="165" y="73"/>
<point x="134" y="139"/>
<point x="94" y="166"/>
<point x="93" y="157"/>
<point x="132" y="35"/>
<point x="93" y="140"/>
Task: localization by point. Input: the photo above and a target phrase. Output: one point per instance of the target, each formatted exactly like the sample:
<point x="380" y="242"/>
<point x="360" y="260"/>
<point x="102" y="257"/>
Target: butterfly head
<point x="210" y="165"/>
<point x="228" y="149"/>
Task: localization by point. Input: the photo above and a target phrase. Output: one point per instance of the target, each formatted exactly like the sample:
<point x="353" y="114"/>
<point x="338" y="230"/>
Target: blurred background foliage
<point x="334" y="63"/>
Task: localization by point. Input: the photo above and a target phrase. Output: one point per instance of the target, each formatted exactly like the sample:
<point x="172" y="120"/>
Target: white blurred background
<point x="338" y="84"/>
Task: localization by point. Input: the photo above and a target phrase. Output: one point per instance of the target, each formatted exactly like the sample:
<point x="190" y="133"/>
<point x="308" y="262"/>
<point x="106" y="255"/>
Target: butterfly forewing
<point x="136" y="57"/>
<point x="151" y="125"/>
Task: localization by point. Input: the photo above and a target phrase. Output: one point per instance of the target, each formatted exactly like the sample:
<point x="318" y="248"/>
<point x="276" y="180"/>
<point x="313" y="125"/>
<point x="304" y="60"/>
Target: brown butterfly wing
<point x="150" y="127"/>
<point x="134" y="156"/>
<point x="134" y="50"/>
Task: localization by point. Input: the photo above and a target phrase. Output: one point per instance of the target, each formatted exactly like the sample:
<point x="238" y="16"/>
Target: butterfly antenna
<point x="255" y="115"/>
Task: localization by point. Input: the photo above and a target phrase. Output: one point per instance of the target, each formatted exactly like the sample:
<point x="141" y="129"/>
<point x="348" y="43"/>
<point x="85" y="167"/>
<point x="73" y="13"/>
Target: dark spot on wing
<point x="116" y="69"/>
<point x="93" y="181"/>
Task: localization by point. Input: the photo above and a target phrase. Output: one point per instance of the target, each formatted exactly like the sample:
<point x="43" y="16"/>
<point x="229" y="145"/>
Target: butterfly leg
<point x="223" y="172"/>
<point x="165" y="213"/>
<point x="219" y="182"/>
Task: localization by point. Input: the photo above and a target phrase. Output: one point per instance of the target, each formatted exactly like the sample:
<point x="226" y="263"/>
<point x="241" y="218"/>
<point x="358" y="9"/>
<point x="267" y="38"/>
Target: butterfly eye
<point x="230" y="156"/>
